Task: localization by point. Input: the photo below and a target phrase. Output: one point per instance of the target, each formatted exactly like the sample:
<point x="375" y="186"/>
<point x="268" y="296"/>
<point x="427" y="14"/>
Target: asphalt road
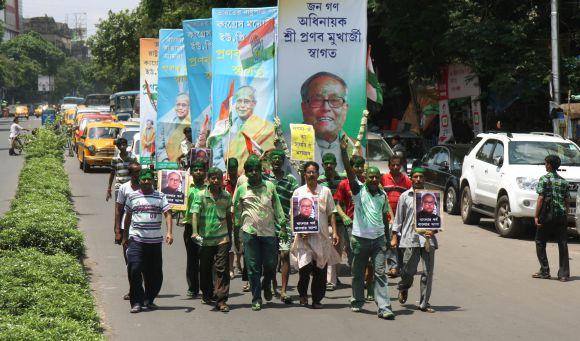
<point x="10" y="166"/>
<point x="482" y="291"/>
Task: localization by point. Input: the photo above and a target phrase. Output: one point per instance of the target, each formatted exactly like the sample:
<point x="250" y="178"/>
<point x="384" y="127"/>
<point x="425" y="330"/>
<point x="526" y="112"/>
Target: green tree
<point x="115" y="49"/>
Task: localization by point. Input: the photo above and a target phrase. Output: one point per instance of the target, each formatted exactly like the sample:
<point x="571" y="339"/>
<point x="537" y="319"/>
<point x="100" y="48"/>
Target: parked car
<point x="414" y="146"/>
<point x="378" y="152"/>
<point x="136" y="147"/>
<point x="96" y="145"/>
<point x="501" y="173"/>
<point x="443" y="170"/>
<point x="130" y="129"/>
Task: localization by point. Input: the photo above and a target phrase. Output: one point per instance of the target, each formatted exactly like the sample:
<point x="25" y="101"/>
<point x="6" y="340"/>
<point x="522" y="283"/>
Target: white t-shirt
<point x="122" y="196"/>
<point x="15" y="130"/>
<point x="147" y="214"/>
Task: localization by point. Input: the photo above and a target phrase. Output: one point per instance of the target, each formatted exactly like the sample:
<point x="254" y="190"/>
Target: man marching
<point x="416" y="245"/>
<point x="371" y="220"/>
<point x="212" y="229"/>
<point x="143" y="237"/>
<point x="285" y="186"/>
<point x="198" y="172"/>
<point x="257" y="212"/>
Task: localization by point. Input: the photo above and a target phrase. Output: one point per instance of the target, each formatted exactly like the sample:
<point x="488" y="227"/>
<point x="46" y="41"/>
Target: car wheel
<point x="467" y="214"/>
<point x="505" y="224"/>
<point x="86" y="166"/>
<point x="451" y="200"/>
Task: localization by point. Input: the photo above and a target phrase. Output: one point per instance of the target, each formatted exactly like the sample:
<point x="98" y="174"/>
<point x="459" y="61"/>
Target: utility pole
<point x="555" y="53"/>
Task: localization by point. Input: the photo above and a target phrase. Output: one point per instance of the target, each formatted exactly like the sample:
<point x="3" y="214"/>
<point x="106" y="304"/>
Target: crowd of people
<point x="242" y="224"/>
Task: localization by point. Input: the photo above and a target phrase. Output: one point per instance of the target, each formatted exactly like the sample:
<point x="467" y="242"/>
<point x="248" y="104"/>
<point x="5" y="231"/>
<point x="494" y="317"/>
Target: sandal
<point x="393" y="273"/>
<point x="223" y="307"/>
<point x="246" y="287"/>
<point x="303" y="301"/>
<point x="285" y="298"/>
<point x="541" y="275"/>
<point x="427" y="309"/>
<point x="403" y="296"/>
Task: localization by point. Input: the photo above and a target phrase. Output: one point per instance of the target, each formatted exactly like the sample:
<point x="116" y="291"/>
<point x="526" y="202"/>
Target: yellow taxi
<point x="21" y="111"/>
<point x="96" y="145"/>
<point x="80" y="122"/>
<point x="38" y="110"/>
<point x="69" y="116"/>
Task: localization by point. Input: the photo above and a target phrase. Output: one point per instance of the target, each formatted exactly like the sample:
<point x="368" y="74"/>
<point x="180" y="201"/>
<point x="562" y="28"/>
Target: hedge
<point x="44" y="291"/>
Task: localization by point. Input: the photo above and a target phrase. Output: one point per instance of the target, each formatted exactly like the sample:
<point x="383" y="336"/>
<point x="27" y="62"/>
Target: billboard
<point x="149" y="57"/>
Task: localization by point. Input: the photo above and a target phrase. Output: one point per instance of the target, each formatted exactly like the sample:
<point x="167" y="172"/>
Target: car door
<point x="494" y="173"/>
<point x="480" y="168"/>
<point x="442" y="163"/>
<point x="429" y="165"/>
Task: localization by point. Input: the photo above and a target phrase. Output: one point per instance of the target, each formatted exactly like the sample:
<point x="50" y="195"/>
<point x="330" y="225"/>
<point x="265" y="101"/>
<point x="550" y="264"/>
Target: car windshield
<point x="103" y="133"/>
<point x="378" y="151"/>
<point x="125" y="103"/>
<point x="534" y="153"/>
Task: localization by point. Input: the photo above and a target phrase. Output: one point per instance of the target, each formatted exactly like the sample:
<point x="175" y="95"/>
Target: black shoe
<point x="136" y="308"/>
<point x="126" y="297"/>
<point x="268" y="294"/>
<point x="403" y="296"/>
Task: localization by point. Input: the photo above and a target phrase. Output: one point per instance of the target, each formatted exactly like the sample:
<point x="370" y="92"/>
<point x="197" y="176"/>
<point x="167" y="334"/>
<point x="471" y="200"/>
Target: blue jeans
<point x="374" y="249"/>
<point x="260" y="253"/>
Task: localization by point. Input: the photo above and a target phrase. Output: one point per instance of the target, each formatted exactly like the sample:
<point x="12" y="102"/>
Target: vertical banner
<point x="322" y="69"/>
<point x="242" y="82"/>
<point x="476" y="114"/>
<point x="197" y="37"/>
<point x="173" y="105"/>
<point x="445" y="128"/>
<point x="149" y="57"/>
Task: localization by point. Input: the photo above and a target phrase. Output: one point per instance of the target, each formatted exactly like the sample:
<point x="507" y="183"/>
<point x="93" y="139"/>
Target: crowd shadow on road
<point x="170" y="308"/>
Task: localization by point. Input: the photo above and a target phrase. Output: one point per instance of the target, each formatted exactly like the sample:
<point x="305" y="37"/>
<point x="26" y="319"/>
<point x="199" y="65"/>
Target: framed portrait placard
<point x="428" y="214"/>
<point x="201" y="154"/>
<point x="174" y="184"/>
<point x="305" y="214"/>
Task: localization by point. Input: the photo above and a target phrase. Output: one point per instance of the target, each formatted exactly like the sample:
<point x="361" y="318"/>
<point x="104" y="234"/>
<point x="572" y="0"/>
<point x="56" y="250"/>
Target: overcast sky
<point x="95" y="9"/>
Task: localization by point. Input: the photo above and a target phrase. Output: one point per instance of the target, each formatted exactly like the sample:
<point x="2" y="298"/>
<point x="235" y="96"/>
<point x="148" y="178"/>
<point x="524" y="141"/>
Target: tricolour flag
<point x="258" y="46"/>
<point x="222" y="126"/>
<point x="252" y="146"/>
<point x="374" y="90"/>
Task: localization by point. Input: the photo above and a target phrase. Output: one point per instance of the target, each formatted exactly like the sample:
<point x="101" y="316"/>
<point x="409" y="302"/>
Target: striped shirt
<point x="285" y="187"/>
<point x="146" y="216"/>
<point x="121" y="168"/>
<point x="212" y="224"/>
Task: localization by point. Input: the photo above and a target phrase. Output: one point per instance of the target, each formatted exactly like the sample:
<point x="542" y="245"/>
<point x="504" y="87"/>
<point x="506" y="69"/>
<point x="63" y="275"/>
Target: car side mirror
<point x="444" y="165"/>
<point x="498" y="161"/>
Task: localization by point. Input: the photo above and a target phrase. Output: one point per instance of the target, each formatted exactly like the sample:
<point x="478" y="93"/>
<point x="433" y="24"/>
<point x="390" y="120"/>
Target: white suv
<point x="500" y="176"/>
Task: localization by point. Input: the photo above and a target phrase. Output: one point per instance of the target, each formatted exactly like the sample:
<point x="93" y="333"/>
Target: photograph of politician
<point x="170" y="132"/>
<point x="428" y="210"/>
<point x="324" y="106"/>
<point x="173" y="184"/>
<point x="244" y="122"/>
<point x="304" y="214"/>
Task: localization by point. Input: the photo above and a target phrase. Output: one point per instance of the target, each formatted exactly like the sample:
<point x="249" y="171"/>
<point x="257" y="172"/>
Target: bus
<point x="123" y="104"/>
<point x="97" y="100"/>
<point x="72" y="100"/>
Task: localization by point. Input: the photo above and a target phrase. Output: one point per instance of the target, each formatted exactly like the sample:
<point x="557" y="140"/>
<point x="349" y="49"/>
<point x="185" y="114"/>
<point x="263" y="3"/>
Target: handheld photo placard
<point x="428" y="210"/>
<point x="305" y="214"/>
<point x="174" y="184"/>
<point x="200" y="154"/>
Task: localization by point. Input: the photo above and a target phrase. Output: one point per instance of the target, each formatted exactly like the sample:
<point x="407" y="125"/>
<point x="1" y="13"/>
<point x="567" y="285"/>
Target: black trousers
<point x="559" y="231"/>
<point x="144" y="266"/>
<point x="192" y="262"/>
<point x="215" y="256"/>
<point x="318" y="288"/>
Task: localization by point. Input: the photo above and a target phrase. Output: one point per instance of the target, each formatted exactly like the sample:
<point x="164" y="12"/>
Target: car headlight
<point x="527" y="183"/>
<point x="92" y="150"/>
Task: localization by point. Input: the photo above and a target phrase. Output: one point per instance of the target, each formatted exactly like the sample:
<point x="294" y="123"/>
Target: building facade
<point x="11" y="19"/>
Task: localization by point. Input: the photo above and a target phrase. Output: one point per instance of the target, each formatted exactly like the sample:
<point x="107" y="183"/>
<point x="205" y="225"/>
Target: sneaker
<point x="355" y="309"/>
<point x="330" y="287"/>
<point x="232" y="275"/>
<point x="206" y="300"/>
<point x="386" y="314"/>
<point x="136" y="308"/>
<point x="370" y="297"/>
<point x="257" y="306"/>
<point x="191" y="294"/>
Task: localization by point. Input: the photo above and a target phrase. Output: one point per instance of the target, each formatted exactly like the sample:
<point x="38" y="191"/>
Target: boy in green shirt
<point x="212" y="230"/>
